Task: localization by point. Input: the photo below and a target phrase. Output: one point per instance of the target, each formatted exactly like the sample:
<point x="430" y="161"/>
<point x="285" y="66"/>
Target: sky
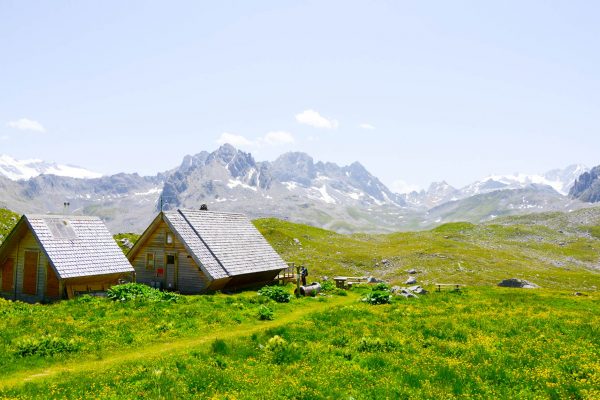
<point x="417" y="91"/>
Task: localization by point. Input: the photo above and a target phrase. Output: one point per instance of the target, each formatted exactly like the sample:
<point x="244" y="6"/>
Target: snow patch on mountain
<point x="236" y="182"/>
<point x="17" y="170"/>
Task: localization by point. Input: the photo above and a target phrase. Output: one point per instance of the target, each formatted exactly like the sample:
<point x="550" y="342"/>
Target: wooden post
<point x="298" y="280"/>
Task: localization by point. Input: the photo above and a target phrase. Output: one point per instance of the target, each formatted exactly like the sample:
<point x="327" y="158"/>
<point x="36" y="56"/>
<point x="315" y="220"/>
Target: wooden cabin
<point x="193" y="251"/>
<point x="51" y="257"/>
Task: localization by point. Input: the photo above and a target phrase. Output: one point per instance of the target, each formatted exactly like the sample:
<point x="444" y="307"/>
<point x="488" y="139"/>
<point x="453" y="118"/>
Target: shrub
<point x="370" y="344"/>
<point x="219" y="346"/>
<point x="137" y="291"/>
<point x="327" y="286"/>
<point x="46" y="346"/>
<point x="281" y="351"/>
<point x="378" y="297"/>
<point x="275" y="293"/>
<point x="381" y="286"/>
<point x="265" y="313"/>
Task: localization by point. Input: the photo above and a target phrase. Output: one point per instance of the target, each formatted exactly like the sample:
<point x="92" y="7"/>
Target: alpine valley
<point x="293" y="187"/>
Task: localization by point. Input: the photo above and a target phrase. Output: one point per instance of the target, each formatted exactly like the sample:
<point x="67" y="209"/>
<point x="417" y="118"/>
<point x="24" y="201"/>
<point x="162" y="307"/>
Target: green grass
<point x="451" y="253"/>
<point x="8" y="220"/>
<point x="132" y="237"/>
<point x="483" y="342"/>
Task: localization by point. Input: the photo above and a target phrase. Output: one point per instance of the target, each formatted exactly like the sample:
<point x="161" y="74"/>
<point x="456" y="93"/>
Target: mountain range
<point x="294" y="186"/>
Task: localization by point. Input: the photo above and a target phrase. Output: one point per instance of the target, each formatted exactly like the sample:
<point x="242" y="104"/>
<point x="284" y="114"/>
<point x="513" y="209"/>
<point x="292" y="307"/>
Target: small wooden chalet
<point x="193" y="251"/>
<point x="50" y="257"/>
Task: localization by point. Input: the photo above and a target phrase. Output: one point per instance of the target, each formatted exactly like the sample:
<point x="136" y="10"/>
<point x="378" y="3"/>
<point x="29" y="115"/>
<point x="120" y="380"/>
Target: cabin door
<point x="30" y="270"/>
<point x="171" y="271"/>
<point x="8" y="275"/>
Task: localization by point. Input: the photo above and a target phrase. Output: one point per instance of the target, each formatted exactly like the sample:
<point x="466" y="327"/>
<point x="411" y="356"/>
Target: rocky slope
<point x="587" y="186"/>
<point x="294" y="187"/>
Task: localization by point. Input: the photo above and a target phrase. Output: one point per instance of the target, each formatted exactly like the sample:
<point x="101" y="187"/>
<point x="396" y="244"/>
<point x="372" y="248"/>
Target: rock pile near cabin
<point x="408" y="292"/>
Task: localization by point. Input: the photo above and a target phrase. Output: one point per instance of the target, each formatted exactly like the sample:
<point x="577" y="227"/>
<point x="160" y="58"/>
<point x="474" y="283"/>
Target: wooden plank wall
<point x="27" y="243"/>
<point x="191" y="279"/>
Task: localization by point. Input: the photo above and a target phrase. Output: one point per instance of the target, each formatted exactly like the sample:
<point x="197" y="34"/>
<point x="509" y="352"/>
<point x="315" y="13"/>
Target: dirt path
<point x="154" y="350"/>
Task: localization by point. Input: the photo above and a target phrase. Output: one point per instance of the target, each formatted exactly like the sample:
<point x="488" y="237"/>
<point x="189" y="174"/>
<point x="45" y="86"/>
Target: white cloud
<point x="25" y="124"/>
<point x="367" y="126"/>
<point x="4" y="137"/>
<point x="400" y="186"/>
<point x="234" y="140"/>
<point x="278" y="137"/>
<point x="273" y="138"/>
<point x="313" y="118"/>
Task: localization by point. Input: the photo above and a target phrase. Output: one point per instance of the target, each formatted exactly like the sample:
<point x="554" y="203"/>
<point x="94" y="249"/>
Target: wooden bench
<point x="449" y="286"/>
<point x="343" y="282"/>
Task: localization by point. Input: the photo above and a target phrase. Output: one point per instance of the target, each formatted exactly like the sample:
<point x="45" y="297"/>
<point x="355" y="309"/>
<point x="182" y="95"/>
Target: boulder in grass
<point x="518" y="283"/>
<point x="417" y="290"/>
<point x="372" y="279"/>
<point x="411" y="280"/>
<point x="407" y="293"/>
<point x="412" y="271"/>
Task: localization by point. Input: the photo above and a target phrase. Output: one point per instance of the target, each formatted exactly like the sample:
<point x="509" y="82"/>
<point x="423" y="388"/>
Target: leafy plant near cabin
<point x="380" y="294"/>
<point x="327" y="286"/>
<point x="139" y="292"/>
<point x="381" y="286"/>
<point x="46" y="346"/>
<point x="280" y="351"/>
<point x="275" y="293"/>
<point x="265" y="313"/>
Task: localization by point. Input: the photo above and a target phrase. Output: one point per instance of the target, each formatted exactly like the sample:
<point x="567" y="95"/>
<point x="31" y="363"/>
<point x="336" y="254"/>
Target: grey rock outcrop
<point x="411" y="280"/>
<point x="518" y="283"/>
<point x="587" y="186"/>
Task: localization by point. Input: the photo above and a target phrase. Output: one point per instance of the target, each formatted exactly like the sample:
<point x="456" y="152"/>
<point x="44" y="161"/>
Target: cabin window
<point x="170" y="259"/>
<point x="150" y="261"/>
<point x="169" y="238"/>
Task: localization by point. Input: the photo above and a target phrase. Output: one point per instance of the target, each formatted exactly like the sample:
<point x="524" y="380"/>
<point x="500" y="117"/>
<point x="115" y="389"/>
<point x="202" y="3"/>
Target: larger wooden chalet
<point x="49" y="257"/>
<point x="193" y="251"/>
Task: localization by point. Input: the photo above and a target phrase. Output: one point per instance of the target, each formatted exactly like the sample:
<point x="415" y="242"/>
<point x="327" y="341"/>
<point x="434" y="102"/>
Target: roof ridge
<point x="203" y="241"/>
<point x="45" y="216"/>
<point x="208" y="211"/>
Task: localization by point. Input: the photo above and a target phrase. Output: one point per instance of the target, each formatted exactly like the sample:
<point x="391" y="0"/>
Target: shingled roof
<point x="77" y="246"/>
<point x="225" y="244"/>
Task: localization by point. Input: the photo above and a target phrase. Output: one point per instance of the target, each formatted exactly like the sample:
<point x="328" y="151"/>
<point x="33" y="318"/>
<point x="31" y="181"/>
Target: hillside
<point x="456" y="253"/>
<point x="554" y="250"/>
<point x="483" y="342"/>
<point x="8" y="219"/>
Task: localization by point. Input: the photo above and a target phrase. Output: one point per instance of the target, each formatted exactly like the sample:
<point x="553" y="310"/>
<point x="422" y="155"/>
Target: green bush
<point x="370" y="344"/>
<point x="327" y="286"/>
<point x="265" y="313"/>
<point x="281" y="351"/>
<point x="46" y="346"/>
<point x="381" y="286"/>
<point x="219" y="346"/>
<point x="138" y="291"/>
<point x="378" y="297"/>
<point x="275" y="293"/>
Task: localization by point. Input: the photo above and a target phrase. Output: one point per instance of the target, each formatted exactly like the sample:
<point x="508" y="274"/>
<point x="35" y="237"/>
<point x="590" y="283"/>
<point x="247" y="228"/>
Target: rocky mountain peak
<point x="294" y="167"/>
<point x="587" y="186"/>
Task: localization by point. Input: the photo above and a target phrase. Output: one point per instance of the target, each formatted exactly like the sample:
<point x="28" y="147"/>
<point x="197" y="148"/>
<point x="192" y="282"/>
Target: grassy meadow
<point x="481" y="342"/>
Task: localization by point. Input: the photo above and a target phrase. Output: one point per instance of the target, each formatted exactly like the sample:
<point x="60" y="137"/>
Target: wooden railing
<point x="287" y="275"/>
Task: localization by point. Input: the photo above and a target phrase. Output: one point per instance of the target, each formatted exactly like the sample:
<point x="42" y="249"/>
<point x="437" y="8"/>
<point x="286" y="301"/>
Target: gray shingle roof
<point x="78" y="246"/>
<point x="226" y="244"/>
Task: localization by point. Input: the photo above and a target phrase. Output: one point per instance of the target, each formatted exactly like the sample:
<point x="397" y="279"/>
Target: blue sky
<point x="416" y="91"/>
